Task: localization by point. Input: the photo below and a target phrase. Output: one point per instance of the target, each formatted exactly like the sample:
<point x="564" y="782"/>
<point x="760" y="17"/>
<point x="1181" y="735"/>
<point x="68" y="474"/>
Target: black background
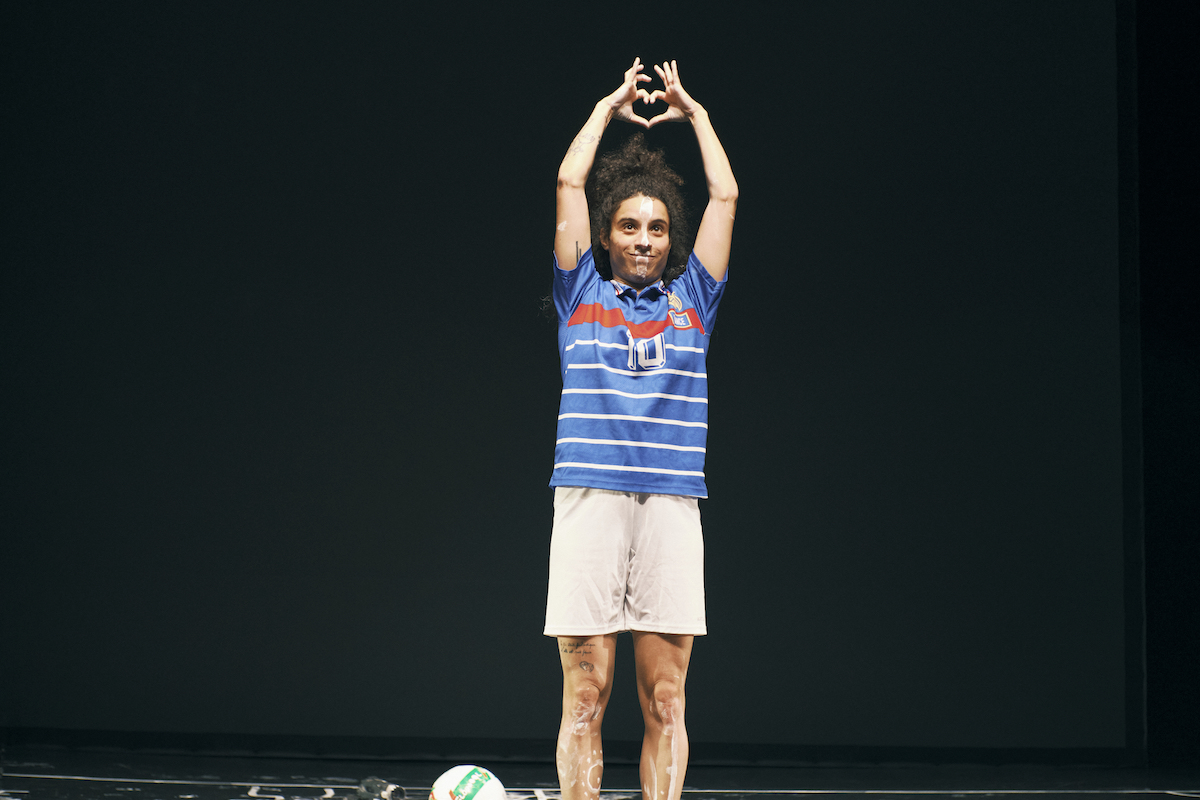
<point x="281" y="405"/>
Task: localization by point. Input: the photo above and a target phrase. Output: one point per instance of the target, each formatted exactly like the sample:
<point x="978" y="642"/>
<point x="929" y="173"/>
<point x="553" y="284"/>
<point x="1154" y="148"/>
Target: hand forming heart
<point x="680" y="104"/>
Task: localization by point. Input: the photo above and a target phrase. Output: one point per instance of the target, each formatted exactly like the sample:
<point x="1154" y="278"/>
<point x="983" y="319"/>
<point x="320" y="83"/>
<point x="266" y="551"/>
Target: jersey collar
<point x="655" y="289"/>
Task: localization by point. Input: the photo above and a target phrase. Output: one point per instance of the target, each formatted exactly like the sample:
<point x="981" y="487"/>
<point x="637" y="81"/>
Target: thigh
<point x="666" y="570"/>
<point x="661" y="658"/>
<point x="589" y="562"/>
<point x="587" y="661"/>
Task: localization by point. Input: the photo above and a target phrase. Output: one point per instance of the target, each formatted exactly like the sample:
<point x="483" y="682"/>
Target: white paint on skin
<point x="577" y="767"/>
<point x="669" y="733"/>
<point x="568" y="772"/>
<point x="669" y="715"/>
<point x="647" y="208"/>
<point x="645" y="211"/>
<point x="562" y="226"/>
<point x="671" y="768"/>
<point x="594" y="774"/>
<point x="582" y="719"/>
<point x="676" y="772"/>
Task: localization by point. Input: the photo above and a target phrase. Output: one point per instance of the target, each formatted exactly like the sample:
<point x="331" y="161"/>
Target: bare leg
<point x="587" y="683"/>
<point x="662" y="664"/>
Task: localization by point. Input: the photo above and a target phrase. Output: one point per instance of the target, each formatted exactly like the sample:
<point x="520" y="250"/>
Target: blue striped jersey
<point x="634" y="410"/>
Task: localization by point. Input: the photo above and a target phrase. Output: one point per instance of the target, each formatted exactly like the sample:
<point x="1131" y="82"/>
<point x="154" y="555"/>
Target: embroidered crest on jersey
<point x="678" y="318"/>
<point x="680" y="321"/>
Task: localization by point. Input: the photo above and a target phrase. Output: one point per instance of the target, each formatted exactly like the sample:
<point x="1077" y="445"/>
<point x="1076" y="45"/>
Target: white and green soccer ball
<point x="467" y="782"/>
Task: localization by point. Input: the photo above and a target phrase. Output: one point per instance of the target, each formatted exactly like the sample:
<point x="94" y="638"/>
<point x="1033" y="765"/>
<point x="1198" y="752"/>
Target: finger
<point x="650" y="123"/>
<point x="660" y="72"/>
<point x="638" y="120"/>
<point x="656" y="95"/>
<point x="644" y="96"/>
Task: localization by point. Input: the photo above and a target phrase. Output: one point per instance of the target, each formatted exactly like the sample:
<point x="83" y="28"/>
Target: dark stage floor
<point x="60" y="774"/>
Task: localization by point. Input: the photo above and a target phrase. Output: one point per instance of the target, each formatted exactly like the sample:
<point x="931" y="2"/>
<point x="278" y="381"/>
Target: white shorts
<point x="621" y="561"/>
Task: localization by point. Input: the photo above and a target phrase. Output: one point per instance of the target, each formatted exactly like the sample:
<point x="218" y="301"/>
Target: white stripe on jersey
<point x="596" y="342"/>
<point x="629" y="469"/>
<point x="627" y="443"/>
<point x="648" y="396"/>
<point x="635" y="419"/>
<point x="639" y="372"/>
<point x="619" y="346"/>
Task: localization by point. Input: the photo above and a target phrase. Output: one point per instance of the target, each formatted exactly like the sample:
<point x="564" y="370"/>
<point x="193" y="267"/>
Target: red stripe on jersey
<point x="613" y="318"/>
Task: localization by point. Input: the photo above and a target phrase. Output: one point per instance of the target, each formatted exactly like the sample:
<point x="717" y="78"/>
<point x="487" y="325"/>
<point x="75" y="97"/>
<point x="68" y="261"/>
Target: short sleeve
<point x="570" y="285"/>
<point x="704" y="290"/>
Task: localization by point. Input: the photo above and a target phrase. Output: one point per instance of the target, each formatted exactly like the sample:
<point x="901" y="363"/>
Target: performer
<point x="636" y="305"/>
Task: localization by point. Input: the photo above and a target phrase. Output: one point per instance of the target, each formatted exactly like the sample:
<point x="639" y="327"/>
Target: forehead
<point x="643" y="208"/>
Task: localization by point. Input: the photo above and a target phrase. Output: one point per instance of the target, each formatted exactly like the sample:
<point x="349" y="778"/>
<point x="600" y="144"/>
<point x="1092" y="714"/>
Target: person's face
<point x="638" y="241"/>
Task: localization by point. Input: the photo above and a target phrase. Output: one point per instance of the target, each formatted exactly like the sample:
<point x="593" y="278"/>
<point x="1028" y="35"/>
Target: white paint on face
<point x="638" y="247"/>
<point x="645" y="212"/>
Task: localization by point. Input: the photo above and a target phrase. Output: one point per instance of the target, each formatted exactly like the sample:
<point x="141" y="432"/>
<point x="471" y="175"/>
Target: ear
<point x="604" y="240"/>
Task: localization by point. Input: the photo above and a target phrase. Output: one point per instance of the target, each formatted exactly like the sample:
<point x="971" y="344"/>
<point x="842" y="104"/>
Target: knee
<point x="666" y="701"/>
<point x="584" y="694"/>
<point x="582" y="707"/>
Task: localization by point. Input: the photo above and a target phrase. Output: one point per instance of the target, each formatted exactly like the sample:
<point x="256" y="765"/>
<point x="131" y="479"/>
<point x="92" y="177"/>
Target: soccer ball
<point x="467" y="782"/>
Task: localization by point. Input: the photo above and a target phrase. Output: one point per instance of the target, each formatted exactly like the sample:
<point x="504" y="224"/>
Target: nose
<point x="644" y="242"/>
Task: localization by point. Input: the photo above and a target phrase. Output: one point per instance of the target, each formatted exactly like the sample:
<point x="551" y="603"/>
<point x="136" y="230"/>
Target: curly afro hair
<point x="632" y="170"/>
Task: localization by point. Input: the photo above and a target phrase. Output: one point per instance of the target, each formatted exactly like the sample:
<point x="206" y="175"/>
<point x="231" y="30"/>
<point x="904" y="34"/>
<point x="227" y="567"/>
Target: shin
<point x="579" y="755"/>
<point x="662" y="669"/>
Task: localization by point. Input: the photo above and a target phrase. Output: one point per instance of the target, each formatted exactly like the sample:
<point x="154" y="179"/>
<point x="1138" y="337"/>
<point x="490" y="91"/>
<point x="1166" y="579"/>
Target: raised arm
<point x="715" y="235"/>
<point x="572" y="232"/>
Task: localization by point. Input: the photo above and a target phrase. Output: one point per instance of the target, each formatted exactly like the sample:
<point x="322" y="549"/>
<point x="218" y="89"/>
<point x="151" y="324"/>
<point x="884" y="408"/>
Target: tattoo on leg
<point x="582" y="648"/>
<point x="585" y="666"/>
